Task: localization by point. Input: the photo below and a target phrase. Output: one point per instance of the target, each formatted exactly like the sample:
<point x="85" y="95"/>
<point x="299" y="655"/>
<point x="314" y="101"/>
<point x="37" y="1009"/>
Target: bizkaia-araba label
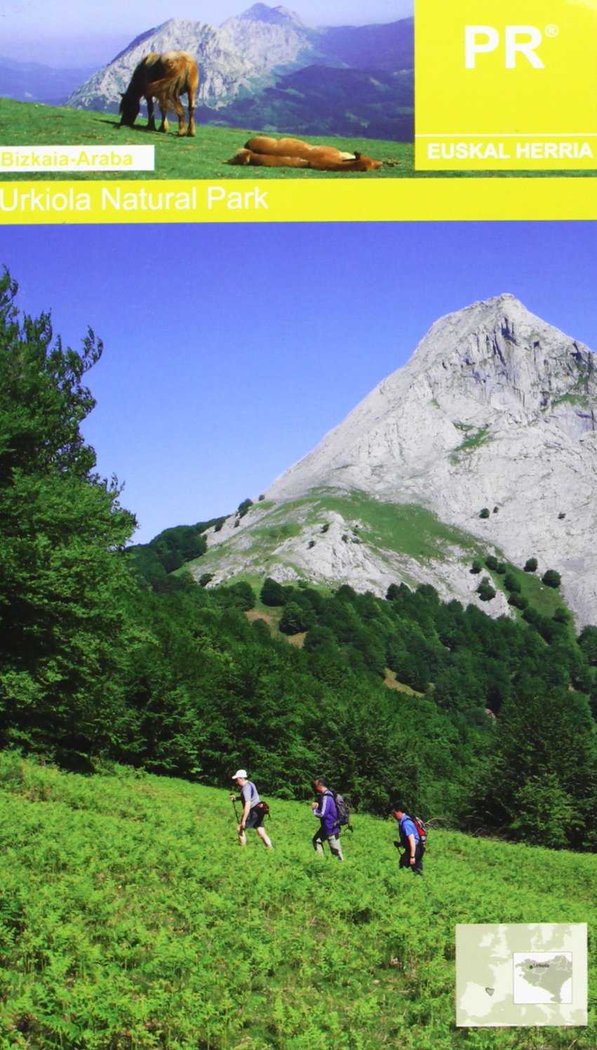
<point x="506" y="85"/>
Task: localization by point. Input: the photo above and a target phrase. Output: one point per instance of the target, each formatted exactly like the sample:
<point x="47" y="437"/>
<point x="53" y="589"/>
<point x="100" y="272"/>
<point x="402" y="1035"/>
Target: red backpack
<point x="421" y="828"/>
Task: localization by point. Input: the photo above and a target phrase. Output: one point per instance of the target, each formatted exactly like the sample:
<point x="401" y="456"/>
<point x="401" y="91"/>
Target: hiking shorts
<point x="255" y="819"/>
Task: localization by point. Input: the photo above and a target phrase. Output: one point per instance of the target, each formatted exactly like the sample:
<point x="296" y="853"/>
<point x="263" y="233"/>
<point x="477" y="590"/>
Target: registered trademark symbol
<point x="552" y="30"/>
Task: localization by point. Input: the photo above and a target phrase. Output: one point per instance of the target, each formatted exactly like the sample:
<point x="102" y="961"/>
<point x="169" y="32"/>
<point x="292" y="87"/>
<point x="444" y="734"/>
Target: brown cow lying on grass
<point x="266" y="152"/>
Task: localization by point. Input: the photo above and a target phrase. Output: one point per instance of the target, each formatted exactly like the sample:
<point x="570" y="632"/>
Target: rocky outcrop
<point x="334" y="544"/>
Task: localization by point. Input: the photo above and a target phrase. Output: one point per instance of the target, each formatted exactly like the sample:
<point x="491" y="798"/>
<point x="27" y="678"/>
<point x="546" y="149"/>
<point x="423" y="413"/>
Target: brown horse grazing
<point x="320" y="159"/>
<point x="165" y="77"/>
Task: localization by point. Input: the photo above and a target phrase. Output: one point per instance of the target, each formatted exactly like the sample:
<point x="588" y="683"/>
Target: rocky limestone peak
<point x="495" y="409"/>
<point x="272" y="40"/>
<point x="490" y="366"/>
<point x="270" y="15"/>
<point x="499" y="353"/>
<point x="489" y="323"/>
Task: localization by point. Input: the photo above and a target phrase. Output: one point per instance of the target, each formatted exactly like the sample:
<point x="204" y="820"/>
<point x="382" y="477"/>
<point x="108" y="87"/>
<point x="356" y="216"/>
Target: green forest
<point x="113" y="652"/>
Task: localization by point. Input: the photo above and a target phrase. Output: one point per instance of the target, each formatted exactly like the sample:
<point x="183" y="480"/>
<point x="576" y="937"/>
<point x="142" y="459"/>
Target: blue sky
<point x="231" y="350"/>
<point x="75" y="33"/>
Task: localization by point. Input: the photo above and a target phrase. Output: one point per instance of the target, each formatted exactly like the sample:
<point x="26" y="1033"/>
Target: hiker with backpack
<point x="326" y="809"/>
<point x="254" y="810"/>
<point x="413" y="836"/>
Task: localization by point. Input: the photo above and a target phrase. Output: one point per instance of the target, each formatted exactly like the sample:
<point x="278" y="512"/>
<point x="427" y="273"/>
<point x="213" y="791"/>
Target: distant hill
<point x="385" y="47"/>
<point x="339" y="101"/>
<point x="33" y="82"/>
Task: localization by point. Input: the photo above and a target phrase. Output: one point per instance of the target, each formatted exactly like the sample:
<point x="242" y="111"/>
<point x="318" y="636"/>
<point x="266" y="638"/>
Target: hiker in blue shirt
<point x="410" y="840"/>
<point x="329" y="828"/>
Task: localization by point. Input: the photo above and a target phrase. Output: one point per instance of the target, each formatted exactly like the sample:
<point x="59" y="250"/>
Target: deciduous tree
<point x="61" y="526"/>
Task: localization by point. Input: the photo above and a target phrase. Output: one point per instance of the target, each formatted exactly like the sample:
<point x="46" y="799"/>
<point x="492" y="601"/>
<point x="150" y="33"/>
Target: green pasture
<point x="130" y="918"/>
<point x="201" y="157"/>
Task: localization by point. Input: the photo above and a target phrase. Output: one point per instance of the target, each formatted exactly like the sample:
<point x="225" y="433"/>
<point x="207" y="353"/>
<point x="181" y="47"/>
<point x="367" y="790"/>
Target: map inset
<point x="514" y="974"/>
<point x="543" y="977"/>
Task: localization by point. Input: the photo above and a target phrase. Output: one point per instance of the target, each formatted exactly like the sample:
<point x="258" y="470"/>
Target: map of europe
<point x="510" y="975"/>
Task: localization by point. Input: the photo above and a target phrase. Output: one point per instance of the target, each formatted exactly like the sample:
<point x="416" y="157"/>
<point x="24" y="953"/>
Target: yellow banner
<point x="506" y="85"/>
<point x="294" y="200"/>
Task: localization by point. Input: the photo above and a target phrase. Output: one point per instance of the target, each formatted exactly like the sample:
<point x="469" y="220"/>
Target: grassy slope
<point x="544" y="599"/>
<point x="403" y="528"/>
<point x="129" y="918"/>
<point x="27" y="123"/>
<point x="201" y="157"/>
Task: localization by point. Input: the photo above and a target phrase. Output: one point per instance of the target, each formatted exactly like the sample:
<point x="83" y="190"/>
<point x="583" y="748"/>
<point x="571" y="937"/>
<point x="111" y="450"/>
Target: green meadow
<point x="130" y="918"/>
<point x="201" y="157"/>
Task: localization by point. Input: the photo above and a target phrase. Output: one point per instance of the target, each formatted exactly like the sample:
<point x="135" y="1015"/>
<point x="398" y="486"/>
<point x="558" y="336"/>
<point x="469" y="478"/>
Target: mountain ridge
<point x="38" y="82"/>
<point x="252" y="54"/>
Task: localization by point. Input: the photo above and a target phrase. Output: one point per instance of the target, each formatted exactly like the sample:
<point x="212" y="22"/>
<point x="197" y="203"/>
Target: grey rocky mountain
<point x="248" y="56"/>
<point x="496" y="409"/>
<point x="224" y="72"/>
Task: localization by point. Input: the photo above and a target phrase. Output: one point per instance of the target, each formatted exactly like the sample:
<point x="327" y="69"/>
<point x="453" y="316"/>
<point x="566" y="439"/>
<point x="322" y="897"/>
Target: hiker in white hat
<point x="254" y="810"/>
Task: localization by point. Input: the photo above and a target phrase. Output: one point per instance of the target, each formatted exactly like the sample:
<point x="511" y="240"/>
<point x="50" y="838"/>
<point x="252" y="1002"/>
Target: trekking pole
<point x="235" y="811"/>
